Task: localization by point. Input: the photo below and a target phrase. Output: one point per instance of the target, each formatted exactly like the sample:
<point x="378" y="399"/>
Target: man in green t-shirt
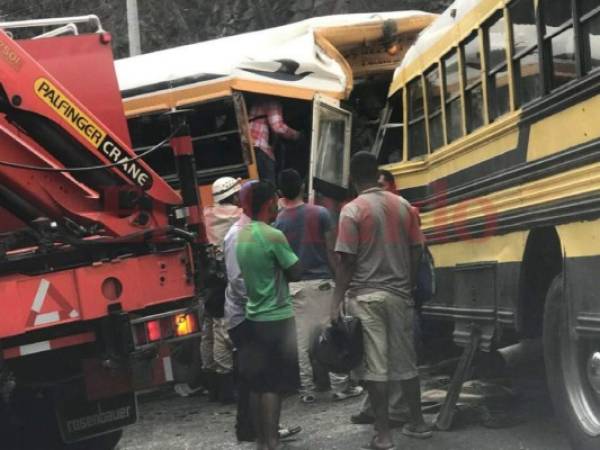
<point x="269" y="357"/>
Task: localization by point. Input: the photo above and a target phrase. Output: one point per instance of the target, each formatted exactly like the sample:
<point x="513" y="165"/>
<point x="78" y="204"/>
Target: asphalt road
<point x="171" y="423"/>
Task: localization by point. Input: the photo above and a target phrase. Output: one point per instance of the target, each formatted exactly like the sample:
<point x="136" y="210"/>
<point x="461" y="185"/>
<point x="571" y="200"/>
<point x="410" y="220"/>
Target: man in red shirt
<point x="265" y="116"/>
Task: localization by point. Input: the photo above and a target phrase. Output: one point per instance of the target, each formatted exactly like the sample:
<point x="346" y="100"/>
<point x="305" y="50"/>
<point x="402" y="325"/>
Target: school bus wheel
<point x="572" y="371"/>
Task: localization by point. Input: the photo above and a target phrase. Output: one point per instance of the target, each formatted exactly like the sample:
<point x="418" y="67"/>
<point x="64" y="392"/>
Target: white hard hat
<point x="225" y="187"/>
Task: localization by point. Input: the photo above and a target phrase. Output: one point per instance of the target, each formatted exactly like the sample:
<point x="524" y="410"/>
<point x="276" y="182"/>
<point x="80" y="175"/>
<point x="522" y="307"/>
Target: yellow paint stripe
<point x="566" y="129"/>
<point x="502" y="249"/>
<point x="163" y="100"/>
<point x="575" y="182"/>
<point x="580" y="239"/>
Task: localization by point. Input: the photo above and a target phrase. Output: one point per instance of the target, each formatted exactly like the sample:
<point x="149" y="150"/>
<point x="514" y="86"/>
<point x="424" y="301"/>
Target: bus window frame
<point x="548" y="37"/>
<point x="582" y="20"/>
<point x="242" y="118"/>
<point x="437" y="113"/>
<point x="413" y="121"/>
<point x="386" y="114"/>
<point x="512" y="58"/>
<point x="470" y="87"/>
<point x="395" y="102"/>
<point x="237" y="104"/>
<point x="448" y="100"/>
<point x="491" y="71"/>
<point x="517" y="57"/>
<point x="322" y="106"/>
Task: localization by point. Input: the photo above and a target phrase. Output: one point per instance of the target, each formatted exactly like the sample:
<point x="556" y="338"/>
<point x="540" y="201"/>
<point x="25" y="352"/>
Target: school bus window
<point x="452" y="74"/>
<point x="417" y="137"/>
<point x="434" y="101"/>
<point x="528" y="74"/>
<point x="391" y="132"/>
<point x="556" y="14"/>
<point x="590" y="26"/>
<point x="560" y="40"/>
<point x="216" y="138"/>
<point x="473" y="82"/>
<point x="396" y="108"/>
<point x="454" y="118"/>
<point x="498" y="77"/>
<point x="146" y="131"/>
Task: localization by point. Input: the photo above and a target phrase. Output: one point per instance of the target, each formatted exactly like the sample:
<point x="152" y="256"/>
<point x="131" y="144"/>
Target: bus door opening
<point x="330" y="153"/>
<point x="322" y="154"/>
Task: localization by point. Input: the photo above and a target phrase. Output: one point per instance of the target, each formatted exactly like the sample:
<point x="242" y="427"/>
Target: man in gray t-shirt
<point x="379" y="243"/>
<point x="379" y="228"/>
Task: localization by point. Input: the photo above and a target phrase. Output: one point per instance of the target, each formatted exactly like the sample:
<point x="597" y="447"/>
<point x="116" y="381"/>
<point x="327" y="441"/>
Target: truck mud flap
<point x="81" y="419"/>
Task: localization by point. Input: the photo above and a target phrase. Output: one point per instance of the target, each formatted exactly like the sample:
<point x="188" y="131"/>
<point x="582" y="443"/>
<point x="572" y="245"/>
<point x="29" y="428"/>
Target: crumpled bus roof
<point x="438" y="28"/>
<point x="433" y="33"/>
<point x="286" y="55"/>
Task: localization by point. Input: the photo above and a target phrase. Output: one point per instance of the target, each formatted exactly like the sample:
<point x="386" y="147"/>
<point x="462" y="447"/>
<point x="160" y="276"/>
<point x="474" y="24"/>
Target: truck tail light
<point x="168" y="326"/>
<point x="185" y="324"/>
<point x="153" y="330"/>
<point x="160" y="329"/>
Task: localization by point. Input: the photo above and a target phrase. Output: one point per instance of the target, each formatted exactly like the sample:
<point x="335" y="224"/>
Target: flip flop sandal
<point x="308" y="398"/>
<point x="373" y="446"/>
<point x="286" y="433"/>
<point x="348" y="393"/>
<point x="407" y="430"/>
<point x="184" y="390"/>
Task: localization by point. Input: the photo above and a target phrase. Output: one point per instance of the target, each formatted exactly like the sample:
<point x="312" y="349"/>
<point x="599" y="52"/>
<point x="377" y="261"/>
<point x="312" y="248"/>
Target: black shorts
<point x="269" y="357"/>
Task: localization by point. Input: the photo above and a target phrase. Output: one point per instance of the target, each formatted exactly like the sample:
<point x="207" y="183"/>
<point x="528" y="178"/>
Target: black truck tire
<point x="34" y="427"/>
<point x="106" y="441"/>
<point x="567" y="379"/>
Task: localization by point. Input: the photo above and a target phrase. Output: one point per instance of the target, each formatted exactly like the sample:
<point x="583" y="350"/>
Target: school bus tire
<point x="576" y="405"/>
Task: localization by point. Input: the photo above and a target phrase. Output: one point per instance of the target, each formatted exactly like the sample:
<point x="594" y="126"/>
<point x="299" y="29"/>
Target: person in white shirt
<point x="216" y="349"/>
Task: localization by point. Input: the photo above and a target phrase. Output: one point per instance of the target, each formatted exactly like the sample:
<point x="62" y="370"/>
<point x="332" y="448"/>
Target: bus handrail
<point x="57" y="21"/>
<point x="65" y="29"/>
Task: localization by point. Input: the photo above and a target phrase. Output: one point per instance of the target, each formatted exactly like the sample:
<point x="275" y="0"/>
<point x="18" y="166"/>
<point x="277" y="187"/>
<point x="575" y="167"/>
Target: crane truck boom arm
<point x="43" y="125"/>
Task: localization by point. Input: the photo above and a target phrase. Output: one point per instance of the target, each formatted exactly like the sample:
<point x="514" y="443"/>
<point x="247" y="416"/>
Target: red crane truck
<point x="99" y="257"/>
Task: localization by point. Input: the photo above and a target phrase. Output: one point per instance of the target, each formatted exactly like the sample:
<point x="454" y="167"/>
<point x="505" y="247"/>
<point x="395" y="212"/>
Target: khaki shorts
<point x="387" y="321"/>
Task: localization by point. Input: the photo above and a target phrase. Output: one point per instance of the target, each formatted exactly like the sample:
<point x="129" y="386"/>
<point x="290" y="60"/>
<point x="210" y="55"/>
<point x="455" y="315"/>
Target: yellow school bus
<point x="324" y="71"/>
<point x="492" y="129"/>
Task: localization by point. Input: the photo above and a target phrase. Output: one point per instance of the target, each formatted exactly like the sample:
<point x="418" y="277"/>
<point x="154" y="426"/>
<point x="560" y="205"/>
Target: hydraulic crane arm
<point x="43" y="125"/>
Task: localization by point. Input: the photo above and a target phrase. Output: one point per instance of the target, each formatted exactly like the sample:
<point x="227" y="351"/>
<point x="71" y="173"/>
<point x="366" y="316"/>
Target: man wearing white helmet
<point x="225" y="211"/>
<point x="216" y="348"/>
